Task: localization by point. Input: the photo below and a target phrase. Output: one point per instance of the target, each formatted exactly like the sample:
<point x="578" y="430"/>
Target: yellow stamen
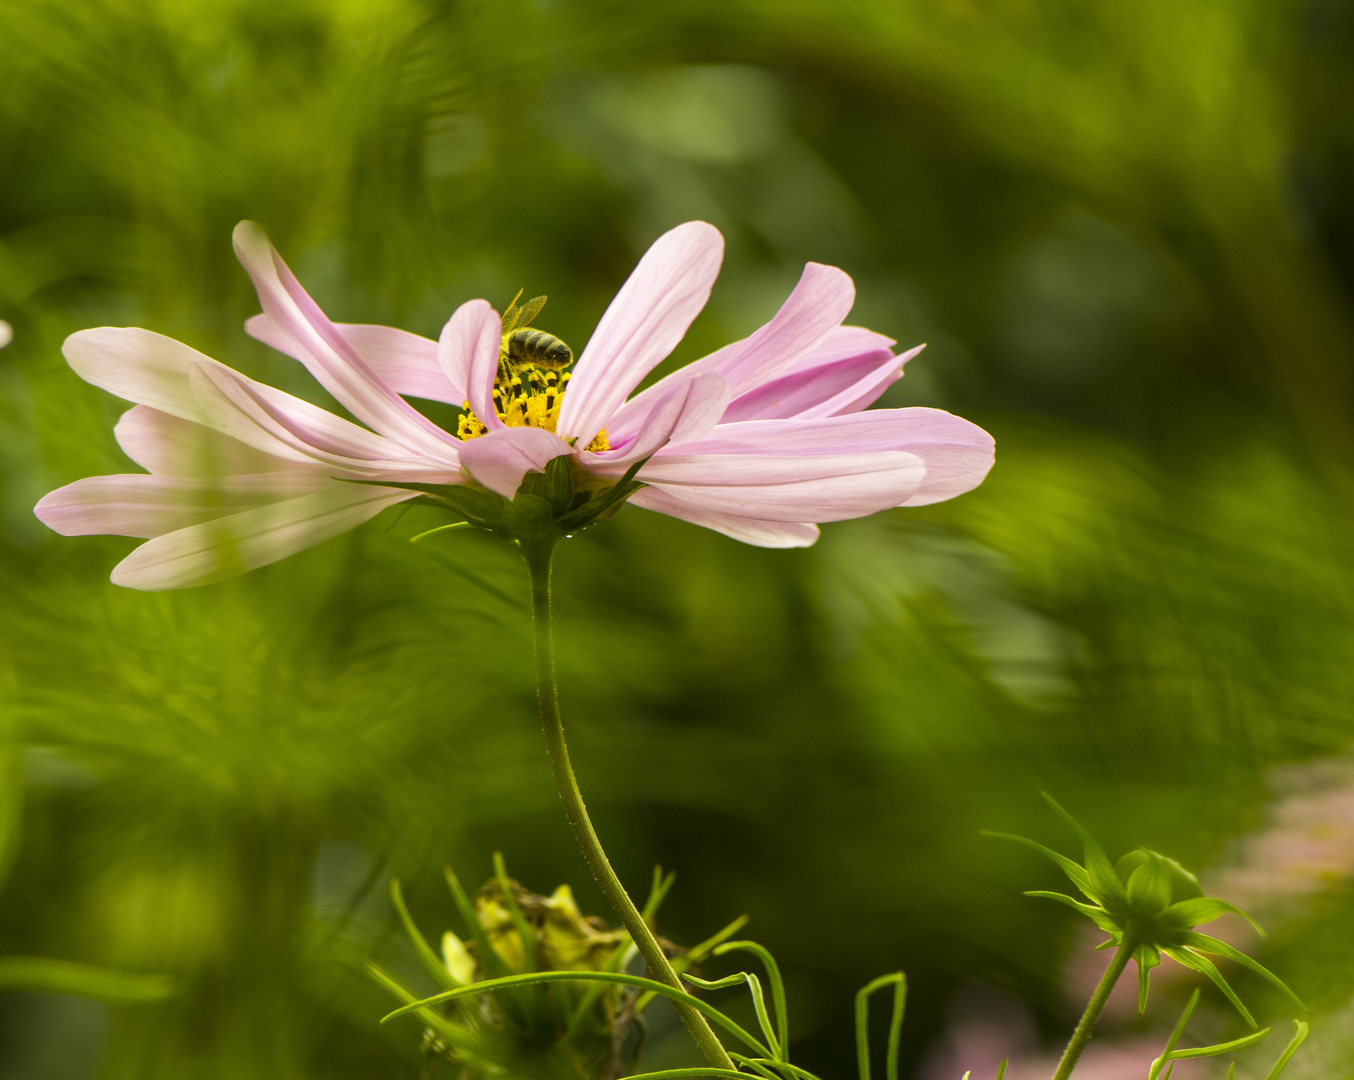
<point x="525" y="395"/>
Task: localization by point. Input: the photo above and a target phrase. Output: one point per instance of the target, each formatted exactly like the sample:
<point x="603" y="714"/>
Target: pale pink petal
<point x="769" y="534"/>
<point x="790" y="395"/>
<point x="468" y="352"/>
<point x="957" y="454"/>
<point x="829" y="487"/>
<point x="500" y="459"/>
<point x="169" y="446"/>
<point x="327" y="355"/>
<point x="135" y="504"/>
<point x="642" y="325"/>
<point x="805" y="332"/>
<point x="688" y="413"/>
<point x="235" y="402"/>
<point x="405" y="362"/>
<point x="156" y="371"/>
<point x="231" y="545"/>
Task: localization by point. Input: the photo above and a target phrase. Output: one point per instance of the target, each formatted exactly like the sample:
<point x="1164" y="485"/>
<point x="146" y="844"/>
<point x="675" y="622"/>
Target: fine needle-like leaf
<point x="525" y="935"/>
<point x="431" y="961"/>
<point x="1176" y="1034"/>
<point x="1299" y="1037"/>
<point x="513" y="981"/>
<point x="1001" y="1070"/>
<point x="1219" y="1049"/>
<point x="1074" y="871"/>
<point x="777" y="987"/>
<point x="899" y="982"/>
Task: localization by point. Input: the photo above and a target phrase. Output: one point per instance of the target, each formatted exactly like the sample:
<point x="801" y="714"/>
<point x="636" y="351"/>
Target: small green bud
<point x="1150" y="905"/>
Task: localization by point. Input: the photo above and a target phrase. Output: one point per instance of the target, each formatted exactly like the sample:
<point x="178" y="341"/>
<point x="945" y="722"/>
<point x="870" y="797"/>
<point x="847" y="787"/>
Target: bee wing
<point x="528" y="311"/>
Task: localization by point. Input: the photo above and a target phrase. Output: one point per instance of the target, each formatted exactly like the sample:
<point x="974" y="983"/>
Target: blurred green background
<point x="1126" y="231"/>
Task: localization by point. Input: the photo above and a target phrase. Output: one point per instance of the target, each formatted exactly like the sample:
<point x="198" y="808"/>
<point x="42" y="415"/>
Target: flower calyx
<point x="547" y="507"/>
<point x="1150" y="905"/>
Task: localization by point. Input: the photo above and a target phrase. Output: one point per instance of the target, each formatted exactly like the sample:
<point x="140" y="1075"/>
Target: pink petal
<point x="790" y="488"/>
<point x="327" y="355"/>
<point x="500" y="459"/>
<point x="806" y="324"/>
<point x="468" y="352"/>
<point x="169" y="446"/>
<point x="770" y="534"/>
<point x="405" y="362"/>
<point x="135" y="504"/>
<point x="156" y="371"/>
<point x="685" y="414"/>
<point x="231" y="545"/>
<point x="957" y="454"/>
<point x="790" y="395"/>
<point x="642" y="325"/>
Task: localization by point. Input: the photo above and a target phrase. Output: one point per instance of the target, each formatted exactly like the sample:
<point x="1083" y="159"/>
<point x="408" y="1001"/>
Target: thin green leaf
<point x="664" y="1074"/>
<point x="615" y="962"/>
<point x="738" y="978"/>
<point x="1219" y="1049"/>
<point x="458" y="1036"/>
<point x="513" y="981"/>
<point x="696" y="954"/>
<point x="1001" y="1070"/>
<point x="1099" y="869"/>
<point x="1204" y="909"/>
<point x="1204" y="943"/>
<point x="491" y="963"/>
<point x="758" y="1003"/>
<point x="777" y="987"/>
<point x="784" y="1066"/>
<point x="1299" y="1037"/>
<point x="38" y="973"/>
<point x="431" y="961"/>
<point x="658" y="892"/>
<point x="440" y="528"/>
<point x="1177" y="1034"/>
<point x="896" y="979"/>
<point x="525" y="934"/>
<point x="1195" y="962"/>
<point x="1074" y="871"/>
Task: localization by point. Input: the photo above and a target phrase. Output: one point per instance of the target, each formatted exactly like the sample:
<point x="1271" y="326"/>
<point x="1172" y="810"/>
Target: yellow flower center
<point x="533" y="371"/>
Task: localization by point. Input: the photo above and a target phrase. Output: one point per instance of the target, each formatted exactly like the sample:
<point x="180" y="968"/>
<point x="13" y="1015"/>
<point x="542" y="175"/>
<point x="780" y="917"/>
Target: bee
<point x="531" y="363"/>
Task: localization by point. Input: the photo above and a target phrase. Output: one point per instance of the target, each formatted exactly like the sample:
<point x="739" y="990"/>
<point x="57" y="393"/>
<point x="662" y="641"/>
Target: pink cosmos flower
<point x="759" y="440"/>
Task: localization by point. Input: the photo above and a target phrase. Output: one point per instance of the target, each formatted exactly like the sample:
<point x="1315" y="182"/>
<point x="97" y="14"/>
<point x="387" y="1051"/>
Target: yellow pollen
<point x="525" y="395"/>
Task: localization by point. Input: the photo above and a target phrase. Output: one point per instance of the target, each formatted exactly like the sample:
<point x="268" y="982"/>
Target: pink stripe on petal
<point x="468" y="351"/>
<point x="231" y="545"/>
<point x="134" y="504"/>
<point x="790" y="489"/>
<point x="642" y="325"/>
<point x="405" y="362"/>
<point x="792" y="394"/>
<point x="500" y="459"/>
<point x="769" y="534"/>
<point x="326" y="354"/>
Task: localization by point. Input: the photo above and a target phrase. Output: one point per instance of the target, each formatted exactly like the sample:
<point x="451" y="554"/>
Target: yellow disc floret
<point x="533" y="371"/>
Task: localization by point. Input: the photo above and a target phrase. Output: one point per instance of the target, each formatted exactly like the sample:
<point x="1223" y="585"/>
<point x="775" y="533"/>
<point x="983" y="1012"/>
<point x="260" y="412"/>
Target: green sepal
<point x="1147" y="957"/>
<point x="1149" y="886"/>
<point x="1198" y="910"/>
<point x="1108" y="888"/>
<point x="1075" y="873"/>
<point x="1097" y="915"/>
<point x="1204" y="943"/>
<point x="1206" y="967"/>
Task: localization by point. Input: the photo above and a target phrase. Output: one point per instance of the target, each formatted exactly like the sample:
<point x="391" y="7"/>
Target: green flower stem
<point x="1094" y="1007"/>
<point x="539" y="556"/>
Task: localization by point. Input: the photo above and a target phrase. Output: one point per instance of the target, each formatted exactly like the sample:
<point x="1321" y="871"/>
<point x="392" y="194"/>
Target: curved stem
<point x="539" y="556"/>
<point x="1082" y="1035"/>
